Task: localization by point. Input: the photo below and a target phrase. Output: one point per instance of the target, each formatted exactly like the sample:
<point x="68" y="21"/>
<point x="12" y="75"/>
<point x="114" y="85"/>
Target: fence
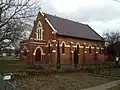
<point x="110" y="69"/>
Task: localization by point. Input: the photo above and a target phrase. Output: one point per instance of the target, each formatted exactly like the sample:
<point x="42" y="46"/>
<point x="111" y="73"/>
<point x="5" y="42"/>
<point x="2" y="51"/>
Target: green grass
<point x="9" y="58"/>
<point x="115" y="88"/>
<point x="6" y="64"/>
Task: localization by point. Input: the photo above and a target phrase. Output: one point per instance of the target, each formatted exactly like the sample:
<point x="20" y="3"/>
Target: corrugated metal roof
<point x="70" y="28"/>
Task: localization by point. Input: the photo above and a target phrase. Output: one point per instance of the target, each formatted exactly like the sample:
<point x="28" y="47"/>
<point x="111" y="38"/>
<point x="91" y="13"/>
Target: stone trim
<point x="50" y="24"/>
<point x="36" y="43"/>
<point x="22" y="51"/>
<point x="41" y="13"/>
<point x="38" y="47"/>
<point x="53" y="32"/>
<point x="53" y="50"/>
<point x="27" y="50"/>
<point x="62" y="43"/>
<point x="43" y="54"/>
<point x="53" y="40"/>
<point x="85" y="52"/>
<point x="31" y="38"/>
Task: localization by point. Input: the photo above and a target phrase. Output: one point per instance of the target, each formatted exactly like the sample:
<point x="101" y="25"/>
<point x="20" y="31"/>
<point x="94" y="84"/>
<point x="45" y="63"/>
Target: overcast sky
<point x="101" y="15"/>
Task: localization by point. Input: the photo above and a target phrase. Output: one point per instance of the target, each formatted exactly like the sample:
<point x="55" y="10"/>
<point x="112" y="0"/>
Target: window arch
<point x="39" y="31"/>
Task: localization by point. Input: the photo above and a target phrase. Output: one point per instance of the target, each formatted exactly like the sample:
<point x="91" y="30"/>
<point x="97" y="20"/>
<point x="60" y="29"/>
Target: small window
<point x="78" y="48"/>
<point x="63" y="48"/>
<point x="90" y="50"/>
<point x="49" y="49"/>
<point x="39" y="31"/>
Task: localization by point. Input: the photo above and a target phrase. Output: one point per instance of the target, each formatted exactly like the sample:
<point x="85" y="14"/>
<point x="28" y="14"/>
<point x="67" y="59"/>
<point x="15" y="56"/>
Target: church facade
<point x="76" y="43"/>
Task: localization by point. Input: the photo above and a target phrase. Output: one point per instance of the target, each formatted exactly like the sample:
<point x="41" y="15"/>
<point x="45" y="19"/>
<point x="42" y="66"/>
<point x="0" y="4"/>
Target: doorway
<point x="38" y="55"/>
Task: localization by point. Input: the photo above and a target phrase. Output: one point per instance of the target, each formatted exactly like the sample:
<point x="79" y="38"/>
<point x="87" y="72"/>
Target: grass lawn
<point x="115" y="88"/>
<point x="5" y="64"/>
<point x="61" y="81"/>
<point x="115" y="72"/>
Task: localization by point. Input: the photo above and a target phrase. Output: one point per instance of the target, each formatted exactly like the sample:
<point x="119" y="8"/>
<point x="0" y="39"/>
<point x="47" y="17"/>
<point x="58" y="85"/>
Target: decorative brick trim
<point x="43" y="54"/>
<point x="84" y="43"/>
<point x="38" y="47"/>
<point x="31" y="38"/>
<point x="36" y="43"/>
<point x="97" y="48"/>
<point x="85" y="51"/>
<point x="41" y="13"/>
<point x="22" y="51"/>
<point x="53" y="32"/>
<point x="87" y="47"/>
<point x="71" y="51"/>
<point x="34" y="54"/>
<point x="96" y="52"/>
<point x="95" y="44"/>
<point x="53" y="50"/>
<point x="53" y="40"/>
<point x="67" y="46"/>
<point x="71" y="42"/>
<point x="102" y="48"/>
<point x="62" y="43"/>
<point x="81" y="46"/>
<point x="75" y="46"/>
<point x="50" y="24"/>
<point x="27" y="50"/>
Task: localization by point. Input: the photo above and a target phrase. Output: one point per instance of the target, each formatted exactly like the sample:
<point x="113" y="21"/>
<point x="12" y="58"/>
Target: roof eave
<point x="79" y="37"/>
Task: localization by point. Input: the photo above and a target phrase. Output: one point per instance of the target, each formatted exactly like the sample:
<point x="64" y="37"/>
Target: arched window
<point x="78" y="48"/>
<point x="63" y="48"/>
<point x="49" y="48"/>
<point x="39" y="31"/>
<point x="90" y="50"/>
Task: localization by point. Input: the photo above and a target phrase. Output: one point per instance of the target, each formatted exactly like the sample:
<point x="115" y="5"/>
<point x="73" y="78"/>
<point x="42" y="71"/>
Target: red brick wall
<point x="48" y="36"/>
<point x="89" y="58"/>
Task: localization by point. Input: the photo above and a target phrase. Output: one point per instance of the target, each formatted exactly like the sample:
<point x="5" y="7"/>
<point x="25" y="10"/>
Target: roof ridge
<point x="72" y="28"/>
<point x="64" y="18"/>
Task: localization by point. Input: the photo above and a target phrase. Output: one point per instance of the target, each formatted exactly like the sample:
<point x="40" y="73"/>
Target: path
<point x="104" y="86"/>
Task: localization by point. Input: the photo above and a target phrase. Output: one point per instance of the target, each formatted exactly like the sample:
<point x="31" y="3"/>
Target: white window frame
<point x="39" y="31"/>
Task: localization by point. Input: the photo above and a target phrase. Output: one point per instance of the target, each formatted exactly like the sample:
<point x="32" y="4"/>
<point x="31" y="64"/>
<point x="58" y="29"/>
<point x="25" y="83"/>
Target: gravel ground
<point x="63" y="81"/>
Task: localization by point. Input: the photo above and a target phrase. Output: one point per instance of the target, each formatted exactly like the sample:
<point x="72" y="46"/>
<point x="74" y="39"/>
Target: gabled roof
<point x="74" y="29"/>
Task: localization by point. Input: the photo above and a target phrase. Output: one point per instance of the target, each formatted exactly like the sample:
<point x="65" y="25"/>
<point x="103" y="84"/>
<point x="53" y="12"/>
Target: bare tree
<point x="15" y="15"/>
<point x="111" y="37"/>
<point x="117" y="0"/>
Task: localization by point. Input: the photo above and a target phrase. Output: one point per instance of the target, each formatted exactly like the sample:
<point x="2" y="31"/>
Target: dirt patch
<point x="63" y="81"/>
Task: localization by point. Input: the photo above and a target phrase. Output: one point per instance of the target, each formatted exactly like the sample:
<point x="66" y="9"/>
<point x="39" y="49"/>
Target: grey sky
<point x="101" y="15"/>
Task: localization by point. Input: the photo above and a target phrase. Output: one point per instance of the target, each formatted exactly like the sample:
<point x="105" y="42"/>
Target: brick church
<point x="76" y="43"/>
